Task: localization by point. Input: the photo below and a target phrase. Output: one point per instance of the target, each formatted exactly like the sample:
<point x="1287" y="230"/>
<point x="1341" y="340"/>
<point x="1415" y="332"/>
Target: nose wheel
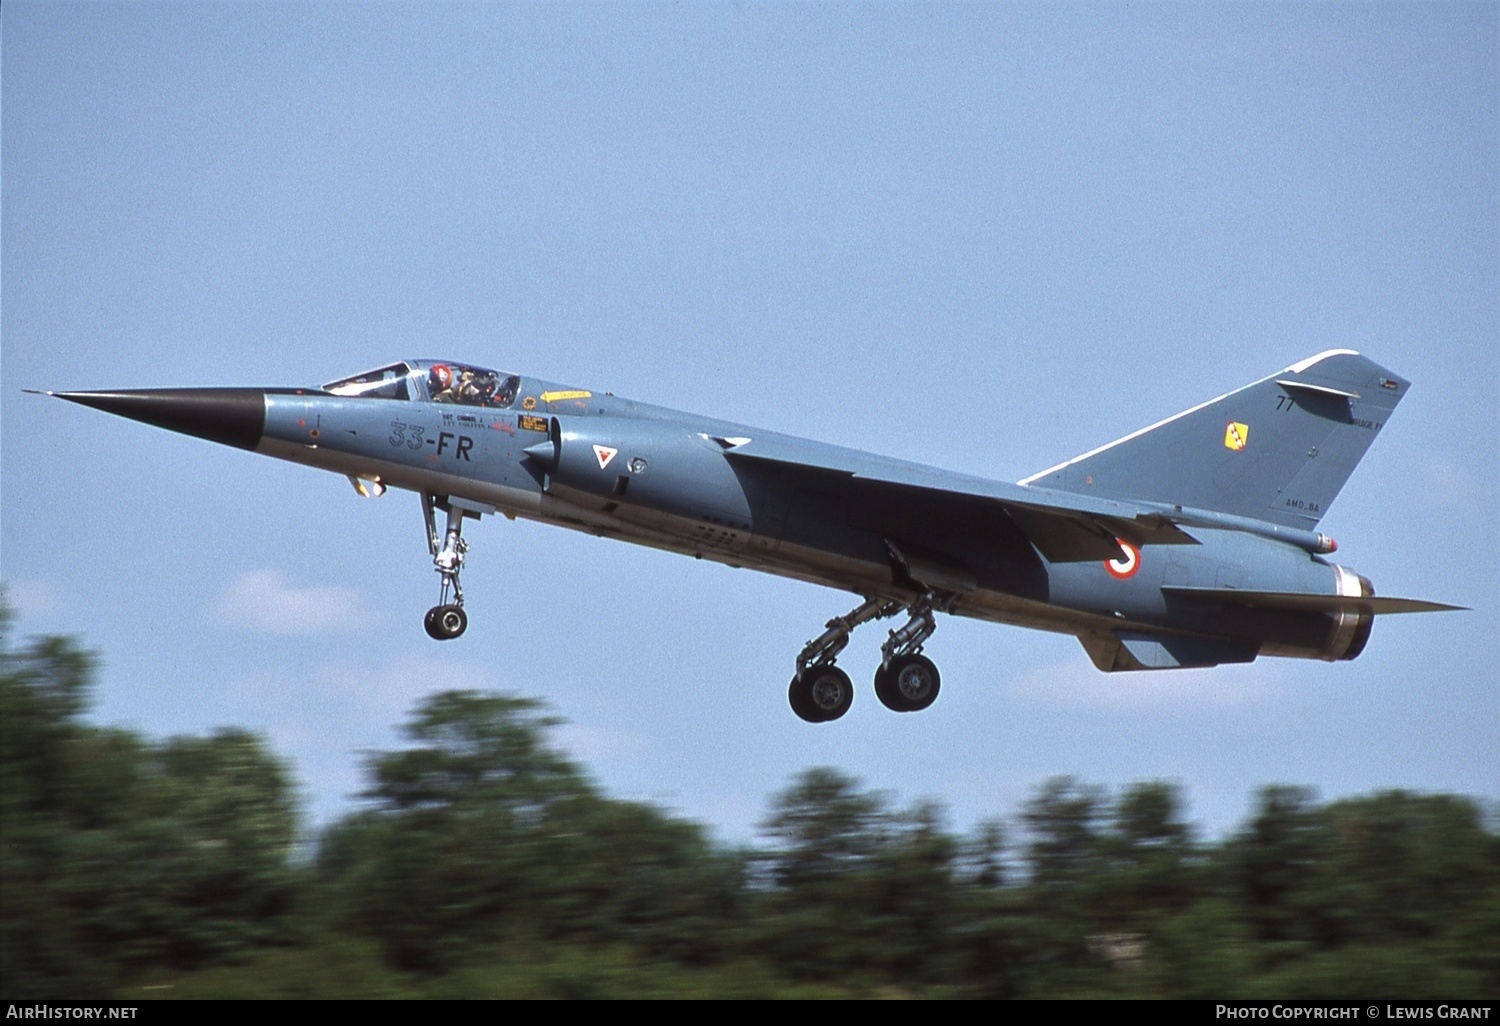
<point x="445" y="621"/>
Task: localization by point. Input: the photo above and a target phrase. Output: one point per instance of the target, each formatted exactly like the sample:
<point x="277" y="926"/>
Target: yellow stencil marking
<point x="553" y="397"/>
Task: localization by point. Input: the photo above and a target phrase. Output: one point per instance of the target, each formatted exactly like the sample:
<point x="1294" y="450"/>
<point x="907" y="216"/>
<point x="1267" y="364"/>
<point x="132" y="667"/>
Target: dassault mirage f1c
<point x="1188" y="543"/>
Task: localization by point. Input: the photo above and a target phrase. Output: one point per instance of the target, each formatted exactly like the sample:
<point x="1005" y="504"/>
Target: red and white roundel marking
<point x="1126" y="566"/>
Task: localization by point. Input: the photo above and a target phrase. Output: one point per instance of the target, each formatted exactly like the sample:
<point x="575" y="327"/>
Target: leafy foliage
<point x="482" y="837"/>
<point x="485" y="863"/>
<point x="120" y="854"/>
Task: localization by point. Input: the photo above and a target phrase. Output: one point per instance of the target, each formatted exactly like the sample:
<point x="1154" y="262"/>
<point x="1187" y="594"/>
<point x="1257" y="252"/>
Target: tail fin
<point x="1278" y="450"/>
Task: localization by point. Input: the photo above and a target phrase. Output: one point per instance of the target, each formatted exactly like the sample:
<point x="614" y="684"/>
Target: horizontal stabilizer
<point x="1309" y="603"/>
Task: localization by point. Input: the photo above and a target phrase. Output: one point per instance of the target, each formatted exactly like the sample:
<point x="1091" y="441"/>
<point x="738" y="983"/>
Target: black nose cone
<point x="232" y="416"/>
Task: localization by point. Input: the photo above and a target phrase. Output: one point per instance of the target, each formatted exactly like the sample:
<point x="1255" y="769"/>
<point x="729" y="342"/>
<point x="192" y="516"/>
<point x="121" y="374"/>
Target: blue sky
<point x="987" y="237"/>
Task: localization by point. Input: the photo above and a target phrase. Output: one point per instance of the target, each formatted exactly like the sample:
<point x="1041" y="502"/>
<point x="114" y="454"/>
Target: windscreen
<point x="385" y="383"/>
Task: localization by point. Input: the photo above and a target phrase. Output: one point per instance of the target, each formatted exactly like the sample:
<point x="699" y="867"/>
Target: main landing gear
<point x="906" y="681"/>
<point x="447" y="619"/>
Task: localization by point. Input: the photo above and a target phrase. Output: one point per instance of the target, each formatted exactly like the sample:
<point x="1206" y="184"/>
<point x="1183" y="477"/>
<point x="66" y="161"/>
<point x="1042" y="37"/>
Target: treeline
<point x="483" y="862"/>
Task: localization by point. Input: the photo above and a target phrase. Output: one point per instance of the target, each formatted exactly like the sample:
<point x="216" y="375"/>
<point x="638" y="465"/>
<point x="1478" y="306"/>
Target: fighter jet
<point x="1188" y="543"/>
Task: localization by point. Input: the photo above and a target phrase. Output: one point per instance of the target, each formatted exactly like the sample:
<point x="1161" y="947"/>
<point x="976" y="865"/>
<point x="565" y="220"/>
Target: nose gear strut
<point x="447" y="619"/>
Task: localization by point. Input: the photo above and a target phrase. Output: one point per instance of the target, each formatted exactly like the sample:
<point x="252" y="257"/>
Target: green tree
<point x="448" y="856"/>
<point x="1395" y="884"/>
<point x="43" y="690"/>
<point x="123" y="856"/>
<point x="1273" y="864"/>
<point x="1202" y="952"/>
<point x="1064" y="857"/>
<point x="1151" y="865"/>
<point x="823" y="827"/>
<point x="863" y="892"/>
<point x="472" y="749"/>
<point x="482" y="836"/>
<point x="1403" y="867"/>
<point x="1064" y="821"/>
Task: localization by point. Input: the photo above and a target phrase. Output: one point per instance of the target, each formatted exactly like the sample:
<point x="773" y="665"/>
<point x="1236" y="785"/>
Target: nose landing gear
<point x="447" y="620"/>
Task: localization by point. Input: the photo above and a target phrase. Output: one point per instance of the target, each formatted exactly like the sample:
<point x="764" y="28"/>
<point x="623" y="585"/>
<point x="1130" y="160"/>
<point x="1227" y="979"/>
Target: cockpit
<point x="437" y="381"/>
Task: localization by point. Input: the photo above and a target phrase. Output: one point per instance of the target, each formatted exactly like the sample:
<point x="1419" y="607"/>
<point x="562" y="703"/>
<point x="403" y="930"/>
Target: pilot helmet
<point x="439" y="378"/>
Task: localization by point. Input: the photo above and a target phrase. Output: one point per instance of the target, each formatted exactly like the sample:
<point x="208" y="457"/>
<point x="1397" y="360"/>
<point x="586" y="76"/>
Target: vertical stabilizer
<point x="1279" y="449"/>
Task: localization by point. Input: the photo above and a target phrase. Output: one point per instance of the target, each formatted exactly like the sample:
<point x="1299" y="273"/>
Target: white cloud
<point x="264" y="600"/>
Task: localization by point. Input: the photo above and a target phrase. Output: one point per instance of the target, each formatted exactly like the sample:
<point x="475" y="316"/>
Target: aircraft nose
<point x="231" y="416"/>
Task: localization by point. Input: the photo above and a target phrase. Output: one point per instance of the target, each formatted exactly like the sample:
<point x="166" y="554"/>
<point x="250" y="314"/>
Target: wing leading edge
<point x="1063" y="527"/>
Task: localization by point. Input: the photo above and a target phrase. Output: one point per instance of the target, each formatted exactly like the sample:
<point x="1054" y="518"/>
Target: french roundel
<point x="1125" y="567"/>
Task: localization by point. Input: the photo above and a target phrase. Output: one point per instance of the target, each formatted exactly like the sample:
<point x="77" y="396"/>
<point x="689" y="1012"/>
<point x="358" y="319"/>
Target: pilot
<point x="466" y="391"/>
<point x="484" y="387"/>
<point x="440" y="383"/>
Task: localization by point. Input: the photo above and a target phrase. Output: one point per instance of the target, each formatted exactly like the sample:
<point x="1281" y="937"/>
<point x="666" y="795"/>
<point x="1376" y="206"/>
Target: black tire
<point x="801" y="701"/>
<point x="914" y="682"/>
<point x="885" y="690"/>
<point x="821" y="693"/>
<point x="445" y="622"/>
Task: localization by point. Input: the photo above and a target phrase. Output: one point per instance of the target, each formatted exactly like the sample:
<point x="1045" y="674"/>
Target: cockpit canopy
<point x="437" y="381"/>
<point x="385" y="383"/>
